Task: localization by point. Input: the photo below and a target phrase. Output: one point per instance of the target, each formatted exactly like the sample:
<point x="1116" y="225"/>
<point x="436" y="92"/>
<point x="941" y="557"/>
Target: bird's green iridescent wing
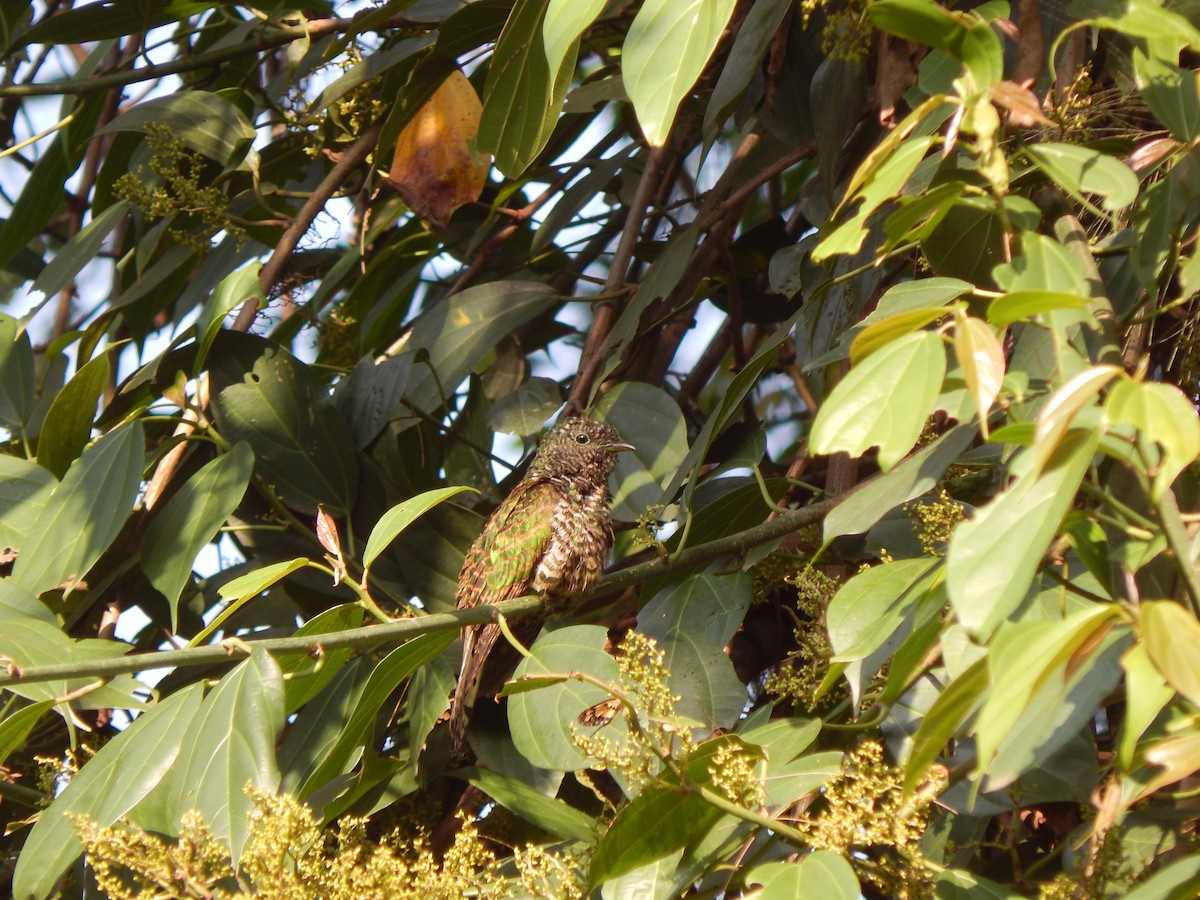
<point x="502" y="562"/>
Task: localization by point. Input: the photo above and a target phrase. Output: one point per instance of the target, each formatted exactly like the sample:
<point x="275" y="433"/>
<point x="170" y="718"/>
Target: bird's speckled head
<point x="577" y="448"/>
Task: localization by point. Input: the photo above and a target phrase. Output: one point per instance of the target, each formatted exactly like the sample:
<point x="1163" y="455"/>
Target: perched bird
<point x="551" y="536"/>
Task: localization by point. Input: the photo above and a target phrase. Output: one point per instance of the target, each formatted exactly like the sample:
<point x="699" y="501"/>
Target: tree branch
<point x="370" y="637"/>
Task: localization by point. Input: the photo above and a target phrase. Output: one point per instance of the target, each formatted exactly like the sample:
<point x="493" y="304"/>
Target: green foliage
<point x="917" y="282"/>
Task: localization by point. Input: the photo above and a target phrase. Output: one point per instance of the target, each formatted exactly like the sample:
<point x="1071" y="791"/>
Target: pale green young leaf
<point x="1017" y="305"/>
<point x="666" y="49"/>
<point x="1171" y="635"/>
<point x="822" y="873"/>
<point x="881" y="333"/>
<point x="980" y="355"/>
<point x="565" y="21"/>
<point x="884" y="401"/>
<point x="400" y="516"/>
<point x="1146" y="693"/>
<point x="1081" y="170"/>
<point x="1061" y="409"/>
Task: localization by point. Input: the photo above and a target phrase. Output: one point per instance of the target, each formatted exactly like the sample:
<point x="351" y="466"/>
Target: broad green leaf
<point x="205" y="122"/>
<point x="693" y="620"/>
<point x="459" y="332"/>
<point x="99" y="21"/>
<point x="234" y="290"/>
<point x="1023" y="656"/>
<point x="17" y="375"/>
<point x="1059" y="412"/>
<point x="880" y="334"/>
<point x="1150" y="19"/>
<point x="980" y="355"/>
<point x="1164" y="414"/>
<point x="565" y="21"/>
<point x="400" y="516"/>
<point x="1177" y="880"/>
<point x="190" y="519"/>
<point x="525" y="410"/>
<point x="1018" y="305"/>
<point x="125" y="770"/>
<point x="232" y="744"/>
<point x="313" y="733"/>
<point x="750" y="44"/>
<point x="657" y="822"/>
<point x="994" y="556"/>
<point x="961" y="37"/>
<point x="1171" y="635"/>
<point x="1146" y="694"/>
<point x="666" y="49"/>
<point x="869" y="607"/>
<point x="24" y="489"/>
<point x="880" y="186"/>
<point x="301" y="445"/>
<point x="545" y="812"/>
<point x="523" y="95"/>
<point x="383" y="680"/>
<point x="884" y="401"/>
<point x="82" y="249"/>
<point x="304" y="678"/>
<point x="16" y="727"/>
<point x="1172" y="93"/>
<point x="914" y="476"/>
<point x="1081" y="170"/>
<point x="650" y="419"/>
<point x="100" y="489"/>
<point x="68" y="425"/>
<point x="541" y="721"/>
<point x="821" y="873"/>
<point x="953" y="707"/>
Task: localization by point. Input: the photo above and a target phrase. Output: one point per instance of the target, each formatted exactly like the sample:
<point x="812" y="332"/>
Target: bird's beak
<point x="618" y="448"/>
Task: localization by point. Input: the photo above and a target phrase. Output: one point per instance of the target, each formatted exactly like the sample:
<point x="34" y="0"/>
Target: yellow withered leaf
<point x="435" y="168"/>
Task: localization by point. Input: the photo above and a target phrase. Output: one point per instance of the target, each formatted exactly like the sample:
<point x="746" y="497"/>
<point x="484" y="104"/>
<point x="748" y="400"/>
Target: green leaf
<point x="657" y="822"/>
<point x="693" y="620"/>
<point x="565" y="21"/>
<point x="1164" y="414"/>
<point x="949" y="712"/>
<point x="1178" y="880"/>
<point x="523" y="96"/>
<point x="994" y="556"/>
<point x="881" y="333"/>
<point x="301" y="445"/>
<point x="541" y="721"/>
<point x="1023" y="656"/>
<point x="955" y="884"/>
<point x="24" y="489"/>
<point x="868" y="608"/>
<point x="125" y="770"/>
<point x="668" y="45"/>
<point x="17" y="375"/>
<point x="545" y="812"/>
<point x="749" y="46"/>
<point x="1058" y="413"/>
<point x="190" y="519"/>
<point x="821" y="873"/>
<point x="80" y="250"/>
<point x="457" y="333"/>
<point x="1172" y="93"/>
<point x="232" y="744"/>
<point x="100" y="489"/>
<point x="313" y="732"/>
<point x="303" y="683"/>
<point x="525" y="410"/>
<point x="1018" y="305"/>
<point x="883" y="401"/>
<point x="16" y="727"/>
<point x="1080" y="170"/>
<point x="1171" y="635"/>
<point x="1146" y="694"/>
<point x="400" y="516"/>
<point x="110" y="19"/>
<point x="205" y="122"/>
<point x="68" y="425"/>
<point x="881" y="185"/>
<point x="383" y="680"/>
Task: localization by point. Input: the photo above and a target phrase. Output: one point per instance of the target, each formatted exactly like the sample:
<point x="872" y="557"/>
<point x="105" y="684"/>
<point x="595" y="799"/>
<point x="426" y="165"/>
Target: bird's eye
<point x="582" y="438"/>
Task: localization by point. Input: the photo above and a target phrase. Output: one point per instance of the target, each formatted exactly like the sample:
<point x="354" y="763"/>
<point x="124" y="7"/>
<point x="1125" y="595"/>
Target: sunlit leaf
<point x="1163" y="414"/>
<point x="399" y="517"/>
